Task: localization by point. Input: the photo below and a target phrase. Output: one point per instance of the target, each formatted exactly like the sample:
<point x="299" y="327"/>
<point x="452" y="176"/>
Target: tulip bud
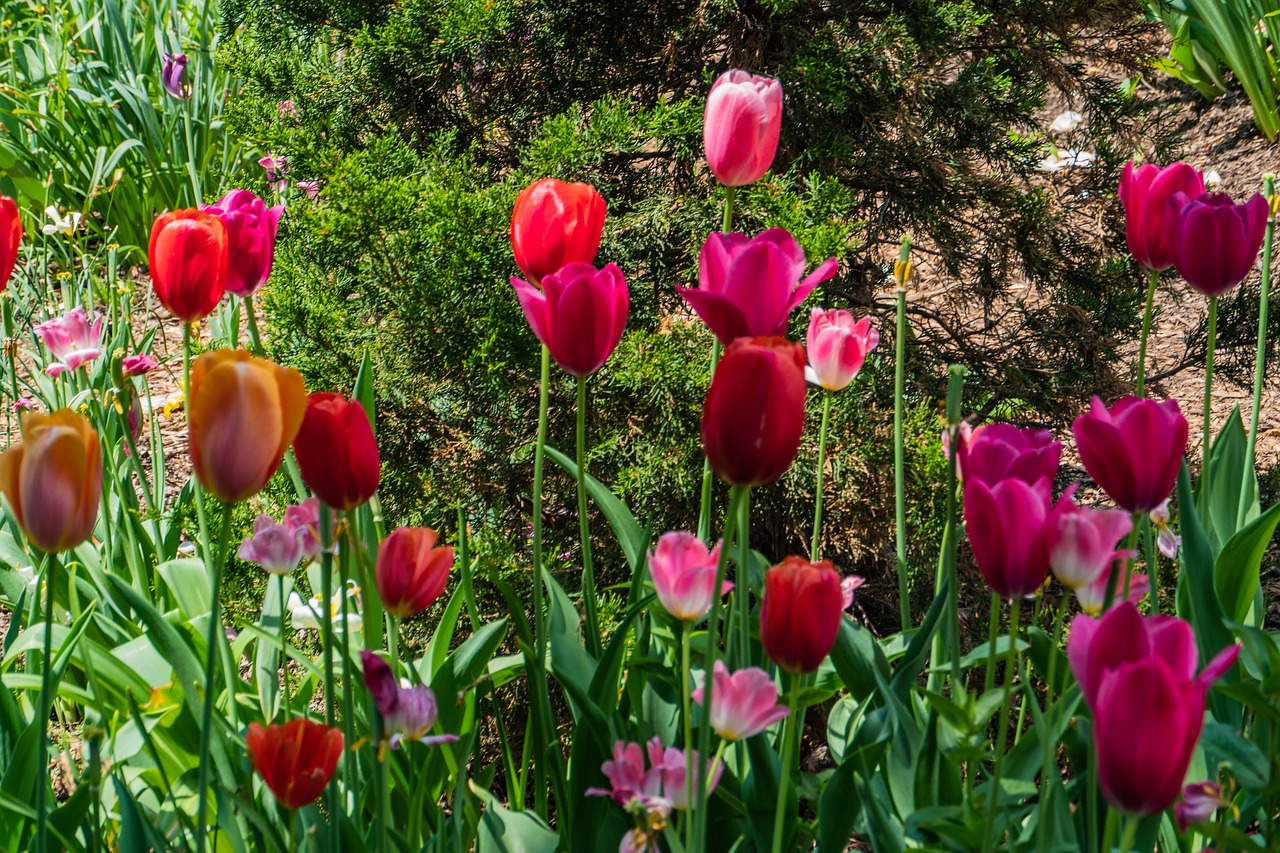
<point x="800" y="614"/>
<point x="188" y="262"/>
<point x="251" y="239"/>
<point x="742" y="704"/>
<point x="53" y="479"/>
<point x="296" y="759"/>
<point x="1215" y="240"/>
<point x="411" y="570"/>
<point x="10" y="238"/>
<point x="837" y="347"/>
<point x="243" y="413"/>
<point x="579" y="314"/>
<point x="1133" y="450"/>
<point x="173" y="75"/>
<point x="1149" y="223"/>
<point x="740" y="126"/>
<point x="336" y="451"/>
<point x="553" y="224"/>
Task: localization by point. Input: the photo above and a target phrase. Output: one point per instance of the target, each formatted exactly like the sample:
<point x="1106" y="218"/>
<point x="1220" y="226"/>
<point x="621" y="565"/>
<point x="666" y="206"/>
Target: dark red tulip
<point x="412" y="570"/>
<point x="1149" y="224"/>
<point x="754" y="412"/>
<point x="1216" y="240"/>
<point x="555" y="223"/>
<point x="10" y="238"/>
<point x="296" y="759"/>
<point x="579" y="313"/>
<point x="336" y="451"/>
<point x="1133" y="450"/>
<point x="800" y="614"/>
<point x="188" y="261"/>
<point x="993" y="452"/>
<point x="1008" y="523"/>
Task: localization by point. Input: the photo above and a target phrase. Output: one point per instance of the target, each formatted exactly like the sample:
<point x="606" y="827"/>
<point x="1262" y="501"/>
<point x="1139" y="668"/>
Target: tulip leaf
<point x="442" y="637"/>
<point x="859" y="660"/>
<point x="1248" y="764"/>
<point x="266" y="655"/>
<point x="462" y="669"/>
<point x="760" y="793"/>
<point x="1204" y="611"/>
<point x="1238" y="566"/>
<point x="188" y="582"/>
<point x="505" y="831"/>
<point x="363" y="391"/>
<point x="1230" y="474"/>
<point x="630" y="535"/>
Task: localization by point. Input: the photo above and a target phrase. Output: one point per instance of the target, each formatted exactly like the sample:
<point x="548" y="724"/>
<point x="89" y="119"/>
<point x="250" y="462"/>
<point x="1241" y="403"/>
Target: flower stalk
<point x="815" y="547"/>
<point x="584" y="527"/>
<point x="902" y="272"/>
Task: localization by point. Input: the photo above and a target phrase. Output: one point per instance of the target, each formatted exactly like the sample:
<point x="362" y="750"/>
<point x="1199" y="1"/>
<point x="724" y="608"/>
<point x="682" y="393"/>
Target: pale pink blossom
<point x="684" y="575"/>
<point x="837" y="346"/>
<point x="1082" y="541"/>
<point x="72" y="340"/>
<point x="275" y="547"/>
<point x="742" y="704"/>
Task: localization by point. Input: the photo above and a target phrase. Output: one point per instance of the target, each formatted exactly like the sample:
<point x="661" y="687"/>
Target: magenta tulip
<point x="173" y="75"/>
<point x="1216" y="241"/>
<point x="579" y="314"/>
<point x="1149" y="224"/>
<point x="742" y="704"/>
<point x="741" y="125"/>
<point x="837" y="347"/>
<point x="1083" y="541"/>
<point x="748" y="286"/>
<point x="994" y="452"/>
<point x="655" y="790"/>
<point x="684" y="575"/>
<point x="251" y="239"/>
<point x="407" y="712"/>
<point x="1008" y="527"/>
<point x="1133" y="450"/>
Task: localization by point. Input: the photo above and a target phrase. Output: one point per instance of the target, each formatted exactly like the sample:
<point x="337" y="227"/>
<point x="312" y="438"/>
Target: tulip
<point x="800" y="614"/>
<point x="174" y="75"/>
<point x="1216" y="241"/>
<point x="53" y="479"/>
<point x="638" y="840"/>
<point x="71" y="340"/>
<point x="553" y="224"/>
<point x="655" y="790"/>
<point x="753" y="415"/>
<point x="579" y="314"/>
<point x="275" y="547"/>
<point x="411" y="570"/>
<point x="139" y="364"/>
<point x="336" y="451"/>
<point x="743" y="704"/>
<point x="304" y="520"/>
<point x="1149" y="223"/>
<point x="243" y="414"/>
<point x="740" y="126"/>
<point x="1092" y="596"/>
<point x="1199" y="801"/>
<point x="296" y="759"/>
<point x="837" y="347"/>
<point x="1133" y="450"/>
<point x="251" y="239"/>
<point x="10" y="238"/>
<point x="1082" y="542"/>
<point x="994" y="452"/>
<point x="188" y="262"/>
<point x="407" y="712"/>
<point x="748" y="286"/>
<point x="1008" y="527"/>
<point x="684" y="575"/>
<point x="1138" y="677"/>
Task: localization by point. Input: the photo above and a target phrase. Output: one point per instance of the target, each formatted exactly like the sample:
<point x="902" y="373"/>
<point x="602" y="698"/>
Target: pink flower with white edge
<point x="684" y="575"/>
<point x="1167" y="541"/>
<point x="1082" y="541"/>
<point x="742" y="704"/>
<point x="1199" y="801"/>
<point x="408" y="713"/>
<point x="630" y="783"/>
<point x="275" y="547"/>
<point x="72" y="340"/>
<point x="1091" y="596"/>
<point x="137" y="365"/>
<point x="837" y="346"/>
<point x="848" y="586"/>
<point x="304" y="520"/>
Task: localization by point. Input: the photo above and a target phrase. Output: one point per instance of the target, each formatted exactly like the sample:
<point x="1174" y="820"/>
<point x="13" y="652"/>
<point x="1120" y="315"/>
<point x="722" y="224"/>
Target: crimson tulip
<point x="411" y="570"/>
<point x="800" y="615"/>
<point x="753" y="415"/>
<point x="553" y="224"/>
<point x="336" y="451"/>
<point x="994" y="452"/>
<point x="1008" y="527"/>
<point x="748" y="286"/>
<point x="1216" y="241"/>
<point x="251" y="239"/>
<point x="740" y="126"/>
<point x="10" y="238"/>
<point x="1149" y="223"/>
<point x="837" y="347"/>
<point x="579" y="314"/>
<point x="1133" y="450"/>
<point x="188" y="262"/>
<point x="296" y="759"/>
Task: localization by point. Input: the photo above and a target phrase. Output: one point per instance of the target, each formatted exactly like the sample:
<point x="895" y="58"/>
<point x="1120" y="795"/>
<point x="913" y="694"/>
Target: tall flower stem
<point x="1207" y="444"/>
<point x="704" y="512"/>
<point x="790" y="729"/>
<point x="686" y="701"/>
<point x="284" y="647"/>
<point x="1047" y="765"/>
<point x="215" y="563"/>
<point x="1153" y="562"/>
<point x="43" y="708"/>
<point x="251" y="320"/>
<point x="584" y="527"/>
<point x="326" y="639"/>
<point x="899" y="450"/>
<point x="539" y="617"/>
<point x="989" y="679"/>
<point x="1260" y="359"/>
<point x="464" y="565"/>
<point x="349" y="766"/>
<point x="947" y="559"/>
<point x="1011" y="659"/>
<point x="742" y="591"/>
<point x="1129" y="834"/>
<point x="1140" y="385"/>
<point x="815" y="547"/>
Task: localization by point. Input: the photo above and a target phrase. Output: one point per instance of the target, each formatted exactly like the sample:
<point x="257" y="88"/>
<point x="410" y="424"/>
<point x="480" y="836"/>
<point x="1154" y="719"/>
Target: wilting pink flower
<point x="311" y="188"/>
<point x="407" y="712"/>
<point x="837" y="347"/>
<point x="137" y="365"/>
<point x="848" y="586"/>
<point x="1167" y="541"/>
<point x="1199" y="801"/>
<point x="1008" y="528"/>
<point x="740" y="127"/>
<point x="173" y="75"/>
<point x="71" y="340"/>
<point x="275" y="547"/>
<point x="1092" y="596"/>
<point x="1082" y="541"/>
<point x="638" y="841"/>
<point x="24" y="403"/>
<point x="286" y="108"/>
<point x="304" y="520"/>
<point x="251" y="239"/>
<point x="1133" y="450"/>
<point x="579" y="313"/>
<point x="271" y="163"/>
<point x="742" y="704"/>
<point x="1215" y="240"/>
<point x="684" y="574"/>
<point x="964" y="434"/>
<point x="994" y="452"/>
<point x="658" y="789"/>
<point x="748" y="286"/>
<point x="1149" y="222"/>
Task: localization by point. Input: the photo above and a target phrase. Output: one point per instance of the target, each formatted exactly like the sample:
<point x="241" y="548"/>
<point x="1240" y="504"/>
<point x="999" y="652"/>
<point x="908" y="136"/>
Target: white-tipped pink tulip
<point x="1093" y="595"/>
<point x="743" y="704"/>
<point x="72" y="340"/>
<point x="684" y="575"/>
<point x="741" y="125"/>
<point x="1082" y="542"/>
<point x="837" y="346"/>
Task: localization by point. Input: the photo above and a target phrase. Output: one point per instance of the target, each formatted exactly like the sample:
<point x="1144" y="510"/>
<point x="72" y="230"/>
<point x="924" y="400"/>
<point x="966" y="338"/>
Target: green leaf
<point x="630" y="534"/>
<point x="859" y="660"/>
<point x="188" y="582"/>
<point x="462" y="669"/>
<point x="363" y="392"/>
<point x="1204" y="611"/>
<point x="505" y="831"/>
<point x="1237" y="568"/>
<point x="1247" y="763"/>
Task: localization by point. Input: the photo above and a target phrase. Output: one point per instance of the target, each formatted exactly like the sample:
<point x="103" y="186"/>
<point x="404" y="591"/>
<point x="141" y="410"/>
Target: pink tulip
<point x="251" y="239"/>
<point x="579" y="314"/>
<point x="173" y="75"/>
<point x="743" y="704"/>
<point x="1216" y="241"/>
<point x="748" y="286"/>
<point x="994" y="452"/>
<point x="304" y="520"/>
<point x="1082" y="541"/>
<point x="638" y="841"/>
<point x="656" y="790"/>
<point x="1008" y="529"/>
<point x="1149" y="224"/>
<point x="137" y="365"/>
<point x="1199" y="801"/>
<point x="1138" y="677"/>
<point x="741" y="125"/>
<point x="71" y="340"/>
<point x="407" y="712"/>
<point x="684" y="575"/>
<point x="1092" y="596"/>
<point x="837" y="347"/>
<point x="1133" y="450"/>
<point x="275" y="547"/>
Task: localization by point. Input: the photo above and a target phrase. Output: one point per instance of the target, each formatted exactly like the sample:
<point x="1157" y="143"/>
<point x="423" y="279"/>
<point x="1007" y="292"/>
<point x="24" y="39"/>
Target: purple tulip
<point x="1199" y="801"/>
<point x="1216" y="240"/>
<point x="1133" y="450"/>
<point x="1008" y="527"/>
<point x="275" y="547"/>
<point x="174" y="76"/>
<point x="251" y="239"/>
<point x="1149" y="224"/>
<point x="994" y="452"/>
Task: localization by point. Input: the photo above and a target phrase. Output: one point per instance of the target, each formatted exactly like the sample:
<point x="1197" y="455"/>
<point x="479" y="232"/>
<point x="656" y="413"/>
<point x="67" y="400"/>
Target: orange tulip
<point x="243" y="413"/>
<point x="53" y="479"/>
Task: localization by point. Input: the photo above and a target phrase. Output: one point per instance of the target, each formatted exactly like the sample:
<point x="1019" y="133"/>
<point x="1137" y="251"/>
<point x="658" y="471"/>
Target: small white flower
<point x="1061" y="158"/>
<point x="1066" y="122"/>
<point x="28" y="573"/>
<point x="306" y="614"/>
<point x="1212" y="179"/>
<point x="60" y="225"/>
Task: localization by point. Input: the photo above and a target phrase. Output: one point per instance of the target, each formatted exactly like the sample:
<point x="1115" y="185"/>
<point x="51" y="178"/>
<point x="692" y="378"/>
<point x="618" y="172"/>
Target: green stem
<point x="539" y="618"/>
<point x="742" y="592"/>
<point x="349" y="767"/>
<point x="1140" y="385"/>
<point x="1109" y="831"/>
<point x="464" y="564"/>
<point x="993" y="803"/>
<point x="788" y="759"/>
<point x="284" y="646"/>
<point x="1260" y="359"/>
<point x="1130" y="833"/>
<point x="215" y="564"/>
<point x="686" y="701"/>
<point x="1207" y="444"/>
<point x="326" y="635"/>
<point x="1048" y="766"/>
<point x="704" y="509"/>
<point x="584" y="528"/>
<point x="44" y="708"/>
<point x="1153" y="562"/>
<point x="989" y="679"/>
<point x="815" y="548"/>
<point x="899" y="459"/>
<point x="251" y="320"/>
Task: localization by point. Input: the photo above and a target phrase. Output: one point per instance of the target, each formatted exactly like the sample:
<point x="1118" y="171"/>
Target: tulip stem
<point x="789" y="730"/>
<point x="1140" y="385"/>
<point x="1260" y="360"/>
<point x="326" y="634"/>
<point x="815" y="548"/>
<point x="989" y="679"/>
<point x="349" y="767"/>
<point x="464" y="565"/>
<point x="251" y="321"/>
<point x="1130" y="833"/>
<point x="43" y="709"/>
<point x="742" y="592"/>
<point x="1153" y="563"/>
<point x="584" y="528"/>
<point x="1048" y="767"/>
<point x="1207" y="443"/>
<point x="899" y="457"/>
<point x="1109" y="831"/>
<point x="704" y="512"/>
<point x="686" y="691"/>
<point x="1002" y="727"/>
<point x="284" y="647"/>
<point x="214" y="564"/>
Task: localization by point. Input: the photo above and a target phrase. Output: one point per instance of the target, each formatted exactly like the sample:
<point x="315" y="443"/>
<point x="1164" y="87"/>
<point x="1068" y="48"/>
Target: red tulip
<point x="1149" y="224"/>
<point x="1008" y="527"/>
<point x="994" y="452"/>
<point x="412" y="570"/>
<point x="754" y="411"/>
<point x="579" y="314"/>
<point x="336" y="451"/>
<point x="800" y="614"/>
<point x="1215" y="240"/>
<point x="1133" y="450"/>
<point x="188" y="261"/>
<point x="740" y="126"/>
<point x="553" y="224"/>
<point x="296" y="759"/>
<point x="10" y="238"/>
